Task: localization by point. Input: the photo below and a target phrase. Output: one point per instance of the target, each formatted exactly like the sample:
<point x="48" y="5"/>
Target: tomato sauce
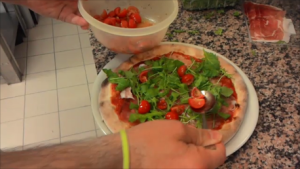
<point x="122" y="105"/>
<point x="226" y="82"/>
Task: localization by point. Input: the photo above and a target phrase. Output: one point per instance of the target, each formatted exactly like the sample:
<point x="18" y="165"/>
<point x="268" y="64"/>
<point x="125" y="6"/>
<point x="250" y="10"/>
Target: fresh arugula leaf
<point x="129" y="74"/>
<point x="151" y="92"/>
<point x="221" y="11"/>
<point x="179" y="31"/>
<point x="194" y="32"/>
<point x="227" y="92"/>
<point x="209" y="15"/>
<point x="253" y="52"/>
<point x="217" y="107"/>
<point x="211" y="67"/>
<point x="281" y="42"/>
<point x="164" y="93"/>
<point x="219" y="31"/>
<point x="236" y="13"/>
<point x="122" y="84"/>
<point x="170" y="35"/>
<point x="110" y="74"/>
<point x="211" y="60"/>
<point x="182" y="88"/>
<point x="224" y="115"/>
<point x="143" y="117"/>
<point x="224" y="72"/>
<point x="144" y="87"/>
<point x="210" y="72"/>
<point x="133" y="106"/>
<point x="202" y="82"/>
<point x="174" y="96"/>
<point x="184" y="99"/>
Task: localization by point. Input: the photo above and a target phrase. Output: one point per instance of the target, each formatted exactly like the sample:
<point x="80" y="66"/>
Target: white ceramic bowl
<point x="125" y="40"/>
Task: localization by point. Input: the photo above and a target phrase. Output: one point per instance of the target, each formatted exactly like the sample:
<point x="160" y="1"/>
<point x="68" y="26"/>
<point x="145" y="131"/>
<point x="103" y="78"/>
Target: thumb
<point x="201" y="137"/>
<point x="77" y="20"/>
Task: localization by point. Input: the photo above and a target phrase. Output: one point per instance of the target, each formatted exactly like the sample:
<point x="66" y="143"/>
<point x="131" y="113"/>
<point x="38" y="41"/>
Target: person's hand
<point x="171" y="144"/>
<point x="64" y="10"/>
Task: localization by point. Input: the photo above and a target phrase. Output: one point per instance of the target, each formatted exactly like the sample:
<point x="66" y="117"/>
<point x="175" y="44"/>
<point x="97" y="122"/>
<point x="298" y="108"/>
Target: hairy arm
<point x="104" y="152"/>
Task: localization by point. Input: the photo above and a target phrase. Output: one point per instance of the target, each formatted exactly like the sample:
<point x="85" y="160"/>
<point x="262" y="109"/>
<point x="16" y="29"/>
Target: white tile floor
<point x="52" y="104"/>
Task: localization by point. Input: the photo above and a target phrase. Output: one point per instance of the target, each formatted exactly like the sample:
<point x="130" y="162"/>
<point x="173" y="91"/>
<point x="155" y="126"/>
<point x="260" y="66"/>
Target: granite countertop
<point x="274" y="71"/>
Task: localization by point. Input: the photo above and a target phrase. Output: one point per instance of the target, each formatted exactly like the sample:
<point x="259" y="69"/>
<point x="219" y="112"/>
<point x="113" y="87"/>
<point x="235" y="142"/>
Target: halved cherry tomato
<point x="118" y="20"/>
<point x="196" y="103"/>
<point x="179" y="109"/>
<point x="136" y="17"/>
<point x="112" y="14"/>
<point x="144" y="107"/>
<point x="117" y="10"/>
<point x="98" y="17"/>
<point x="131" y="23"/>
<point x="110" y="21"/>
<point x="181" y="70"/>
<point x="123" y="13"/>
<point x="187" y="79"/>
<point x="124" y="24"/>
<point x="162" y="104"/>
<point x="196" y="93"/>
<point x="143" y="76"/>
<point x="132" y="10"/>
<point x="172" y="116"/>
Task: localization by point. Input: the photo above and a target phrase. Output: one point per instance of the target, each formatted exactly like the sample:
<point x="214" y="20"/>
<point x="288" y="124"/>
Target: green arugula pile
<point x="163" y="80"/>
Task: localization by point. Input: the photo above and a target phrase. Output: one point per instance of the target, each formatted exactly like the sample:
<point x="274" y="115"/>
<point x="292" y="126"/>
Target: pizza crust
<point x="228" y="130"/>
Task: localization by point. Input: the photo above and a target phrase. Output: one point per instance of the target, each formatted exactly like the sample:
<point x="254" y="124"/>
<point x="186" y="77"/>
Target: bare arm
<point x="104" y="152"/>
<point x="64" y="10"/>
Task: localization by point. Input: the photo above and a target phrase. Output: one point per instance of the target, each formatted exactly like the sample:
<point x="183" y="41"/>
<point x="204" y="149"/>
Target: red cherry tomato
<point x="112" y="14"/>
<point x="143" y="76"/>
<point x="181" y="70"/>
<point x="132" y="10"/>
<point x="187" y="79"/>
<point x="196" y="93"/>
<point x="136" y="17"/>
<point x="196" y="103"/>
<point x="123" y="13"/>
<point x="102" y="16"/>
<point x="144" y="107"/>
<point x="124" y="24"/>
<point x="172" y="116"/>
<point x="110" y="21"/>
<point x="179" y="109"/>
<point x="131" y="23"/>
<point x="117" y="10"/>
<point x="162" y="104"/>
<point x="118" y="20"/>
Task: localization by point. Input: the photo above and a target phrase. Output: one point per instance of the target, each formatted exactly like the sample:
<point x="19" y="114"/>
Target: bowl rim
<point x="129" y="32"/>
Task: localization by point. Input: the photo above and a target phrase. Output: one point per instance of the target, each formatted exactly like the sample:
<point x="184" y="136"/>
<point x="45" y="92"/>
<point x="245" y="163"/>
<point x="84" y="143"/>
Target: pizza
<point x="166" y="83"/>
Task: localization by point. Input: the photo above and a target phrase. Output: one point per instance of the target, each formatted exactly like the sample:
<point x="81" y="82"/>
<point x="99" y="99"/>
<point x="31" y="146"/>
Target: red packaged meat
<point x="268" y="23"/>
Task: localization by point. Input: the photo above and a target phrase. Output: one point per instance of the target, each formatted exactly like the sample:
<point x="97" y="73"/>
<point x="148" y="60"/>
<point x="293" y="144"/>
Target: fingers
<point x="217" y="157"/>
<point x="201" y="137"/>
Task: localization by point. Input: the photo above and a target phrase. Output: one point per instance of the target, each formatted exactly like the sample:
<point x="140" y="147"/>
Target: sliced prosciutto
<point x="268" y="23"/>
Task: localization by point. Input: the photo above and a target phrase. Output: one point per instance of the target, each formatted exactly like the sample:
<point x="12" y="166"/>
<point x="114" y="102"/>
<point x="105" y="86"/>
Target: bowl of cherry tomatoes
<point x="129" y="26"/>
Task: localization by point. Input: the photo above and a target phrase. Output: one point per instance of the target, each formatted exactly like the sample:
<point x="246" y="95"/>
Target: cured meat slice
<point x="268" y="23"/>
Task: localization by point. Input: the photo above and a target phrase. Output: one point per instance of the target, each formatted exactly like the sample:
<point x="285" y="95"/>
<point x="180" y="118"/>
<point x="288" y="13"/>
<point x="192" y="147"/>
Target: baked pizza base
<point x="228" y="130"/>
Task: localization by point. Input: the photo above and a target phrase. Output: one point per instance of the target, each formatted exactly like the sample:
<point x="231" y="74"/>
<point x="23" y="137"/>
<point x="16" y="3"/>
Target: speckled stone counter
<point x="274" y="72"/>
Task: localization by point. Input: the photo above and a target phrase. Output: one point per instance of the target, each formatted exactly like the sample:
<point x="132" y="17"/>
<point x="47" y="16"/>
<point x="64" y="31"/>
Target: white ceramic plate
<point x="240" y="138"/>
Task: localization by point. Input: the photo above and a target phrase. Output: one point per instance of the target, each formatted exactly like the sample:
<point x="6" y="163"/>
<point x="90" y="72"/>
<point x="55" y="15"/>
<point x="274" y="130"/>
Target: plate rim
<point x="235" y="143"/>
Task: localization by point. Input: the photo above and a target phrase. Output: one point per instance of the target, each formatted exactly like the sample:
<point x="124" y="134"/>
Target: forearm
<point x="104" y="152"/>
